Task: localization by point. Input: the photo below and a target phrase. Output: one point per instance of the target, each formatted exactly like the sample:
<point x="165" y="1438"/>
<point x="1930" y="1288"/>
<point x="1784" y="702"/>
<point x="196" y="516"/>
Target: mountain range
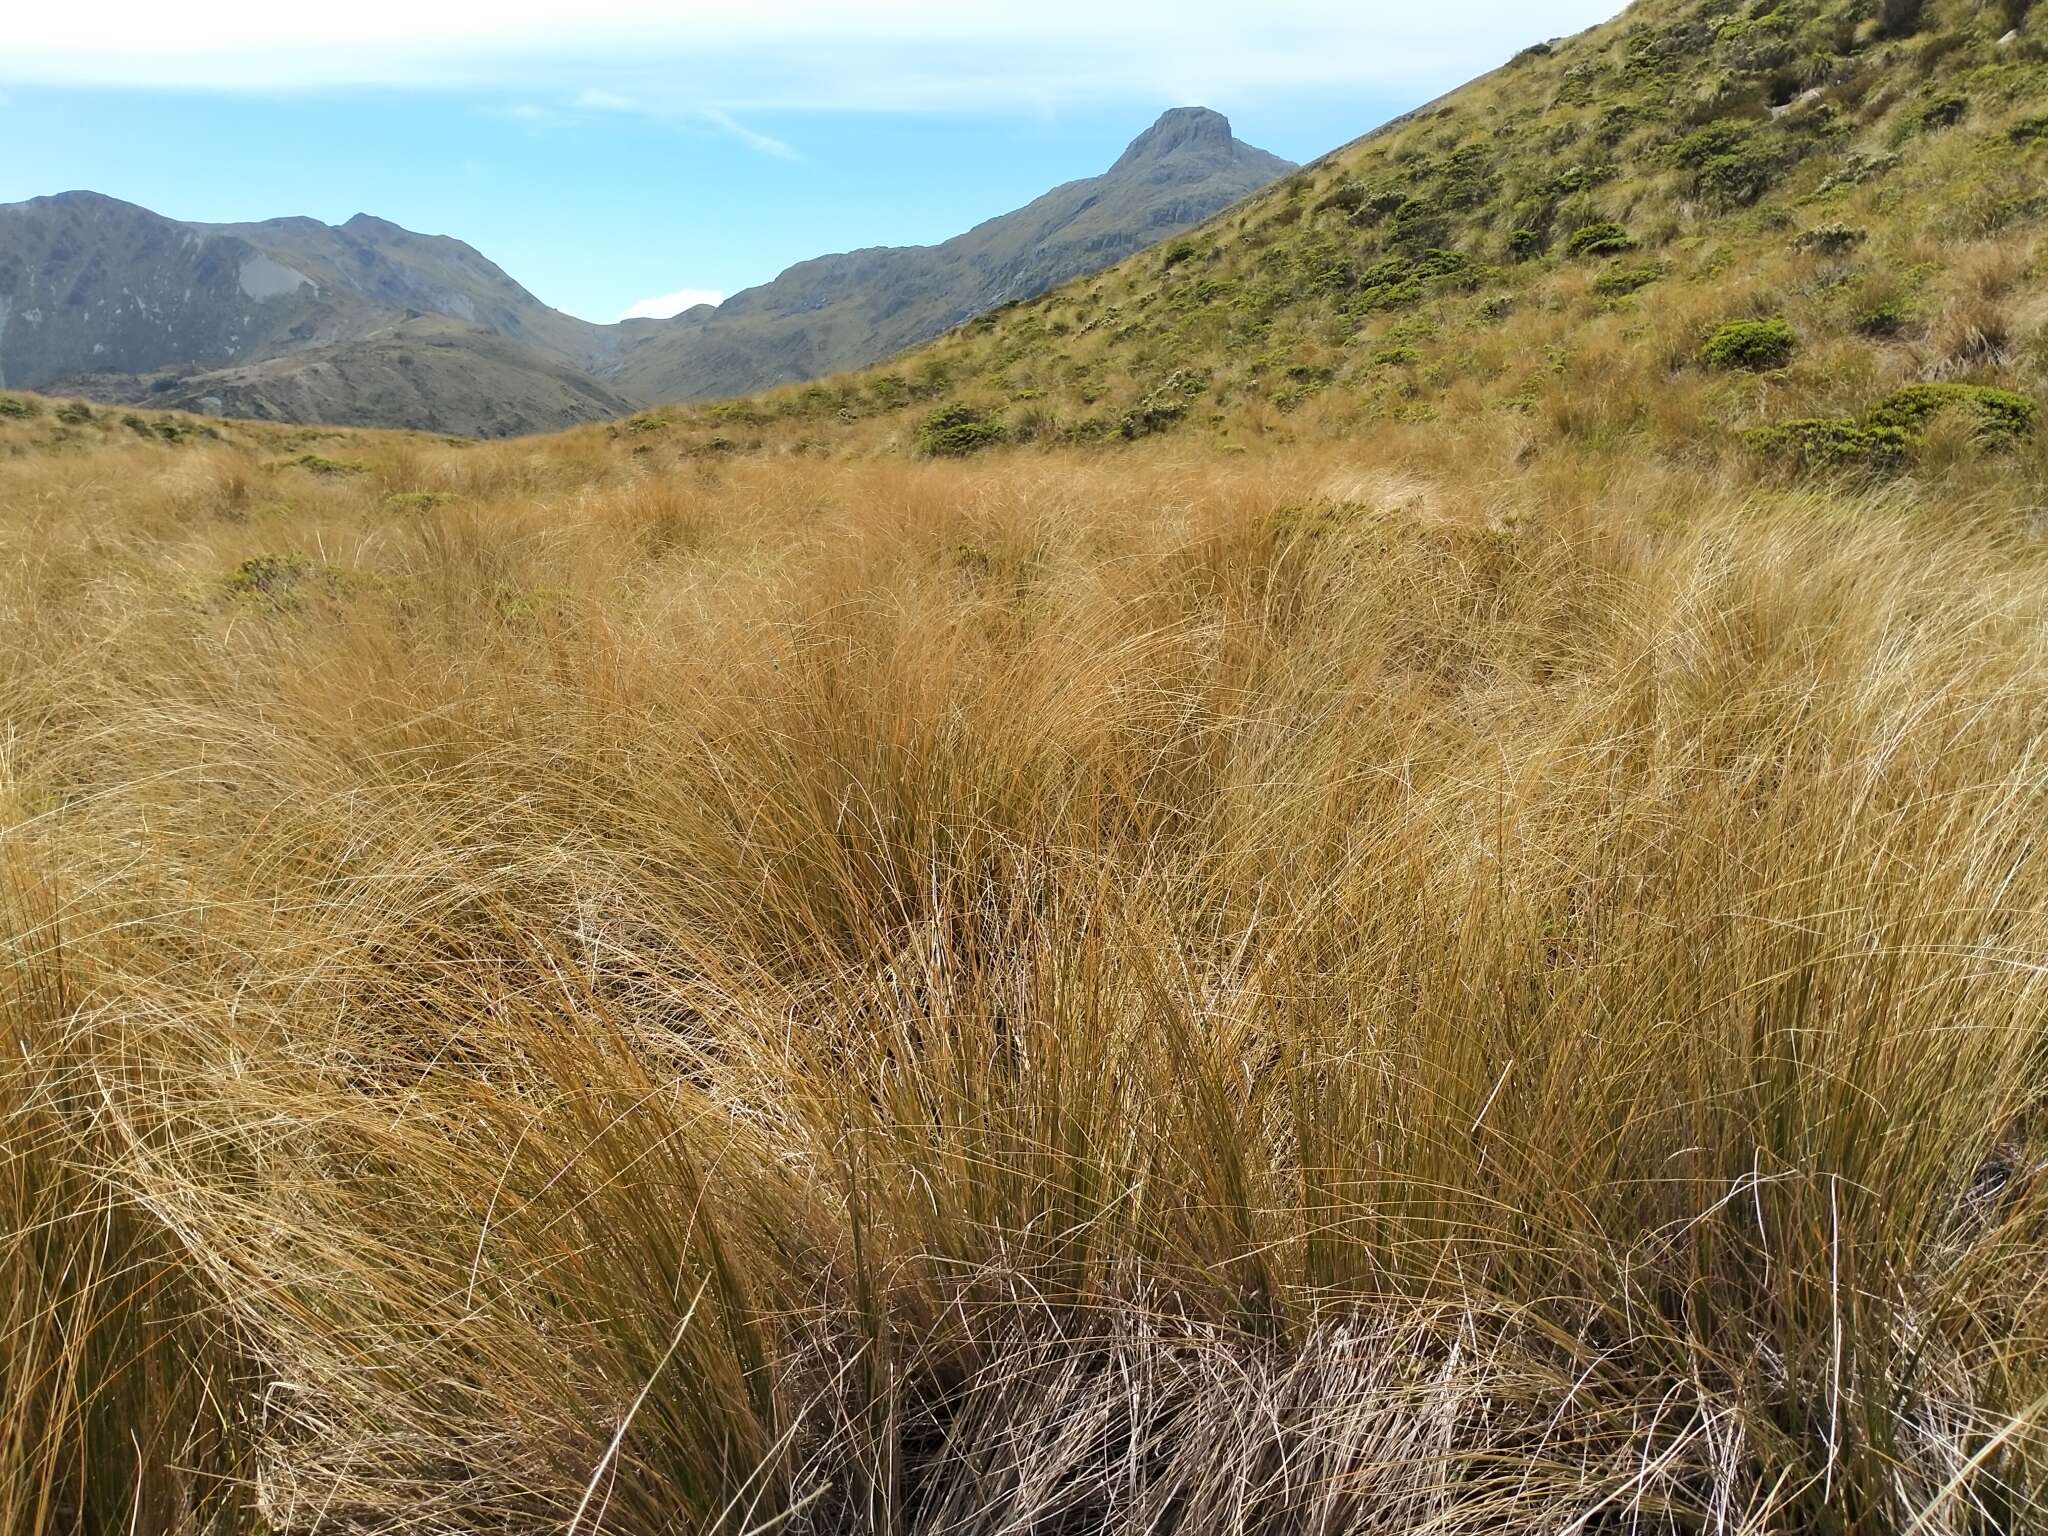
<point x="1790" y="238"/>
<point x="369" y="324"/>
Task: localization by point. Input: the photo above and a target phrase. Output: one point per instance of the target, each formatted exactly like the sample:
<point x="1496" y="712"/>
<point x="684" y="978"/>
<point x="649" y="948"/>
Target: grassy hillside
<point x="1457" y="958"/>
<point x="1555" y="257"/>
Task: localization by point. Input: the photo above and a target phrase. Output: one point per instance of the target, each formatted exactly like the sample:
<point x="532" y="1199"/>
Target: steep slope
<point x="101" y="297"/>
<point x="92" y="284"/>
<point x="844" y="311"/>
<point x="1798" y="234"/>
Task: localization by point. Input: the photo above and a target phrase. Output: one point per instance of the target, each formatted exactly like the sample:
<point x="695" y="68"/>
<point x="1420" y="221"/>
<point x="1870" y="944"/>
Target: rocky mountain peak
<point x="1177" y="131"/>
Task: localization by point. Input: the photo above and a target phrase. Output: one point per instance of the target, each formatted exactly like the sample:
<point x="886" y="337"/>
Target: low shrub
<point x="1620" y="282"/>
<point x="1757" y="345"/>
<point x="1830" y="239"/>
<point x="2001" y="416"/>
<point x="1833" y="444"/>
<point x="270" y="578"/>
<point x="1604" y="239"/>
<point x="1165" y="407"/>
<point x="14" y="408"/>
<point x="956" y="431"/>
<point x="1884" y="320"/>
<point x="1943" y="111"/>
<point x="415" y="501"/>
<point x="315" y="464"/>
<point x="1730" y="163"/>
<point x="74" y="413"/>
<point x="1900" y="18"/>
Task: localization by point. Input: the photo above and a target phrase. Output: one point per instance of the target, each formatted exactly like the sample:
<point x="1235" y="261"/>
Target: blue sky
<point x="641" y="149"/>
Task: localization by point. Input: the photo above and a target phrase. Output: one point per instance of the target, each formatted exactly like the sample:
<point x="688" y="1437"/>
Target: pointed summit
<point x="1177" y="131"/>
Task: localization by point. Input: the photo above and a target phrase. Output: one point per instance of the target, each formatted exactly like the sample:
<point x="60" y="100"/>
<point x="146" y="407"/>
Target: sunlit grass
<point x="1335" y="992"/>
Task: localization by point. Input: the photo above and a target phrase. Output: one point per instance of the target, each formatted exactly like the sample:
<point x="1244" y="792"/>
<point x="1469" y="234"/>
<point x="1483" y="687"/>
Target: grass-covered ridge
<point x="1559" y="244"/>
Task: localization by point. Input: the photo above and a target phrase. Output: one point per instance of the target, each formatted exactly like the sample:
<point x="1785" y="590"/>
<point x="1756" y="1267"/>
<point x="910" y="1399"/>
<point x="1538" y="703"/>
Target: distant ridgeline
<point x="370" y="324"/>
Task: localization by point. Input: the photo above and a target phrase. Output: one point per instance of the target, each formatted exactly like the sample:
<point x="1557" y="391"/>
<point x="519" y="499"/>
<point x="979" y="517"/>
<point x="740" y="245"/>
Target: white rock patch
<point x="265" y="278"/>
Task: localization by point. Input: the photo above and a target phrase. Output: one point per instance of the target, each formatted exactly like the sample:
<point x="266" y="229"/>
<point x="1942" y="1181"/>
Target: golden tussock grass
<point x="1374" y="990"/>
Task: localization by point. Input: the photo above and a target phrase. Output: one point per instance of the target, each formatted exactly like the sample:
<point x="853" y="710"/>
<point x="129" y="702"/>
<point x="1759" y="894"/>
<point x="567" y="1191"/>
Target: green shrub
<point x="74" y="413"/>
<point x="2032" y="130"/>
<point x="1605" y="239"/>
<point x="1944" y="111"/>
<point x="1150" y="417"/>
<point x="1884" y="320"/>
<point x="1753" y="344"/>
<point x="2000" y="416"/>
<point x="1420" y="225"/>
<point x="1620" y="282"/>
<point x="889" y="392"/>
<point x="1858" y="169"/>
<point x="1737" y="180"/>
<point x="1831" y="239"/>
<point x="14" y="408"/>
<point x="1900" y="18"/>
<point x="1730" y="163"/>
<point x="1832" y="444"/>
<point x="269" y="577"/>
<point x="314" y="464"/>
<point x="1526" y="244"/>
<point x="955" y="431"/>
<point x="1885" y="439"/>
<point x="415" y="501"/>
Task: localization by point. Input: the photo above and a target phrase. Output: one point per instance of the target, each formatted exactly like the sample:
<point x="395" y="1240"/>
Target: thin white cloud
<point x="687" y="56"/>
<point x="716" y="117"/>
<point x="667" y="305"/>
<point x="723" y="120"/>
